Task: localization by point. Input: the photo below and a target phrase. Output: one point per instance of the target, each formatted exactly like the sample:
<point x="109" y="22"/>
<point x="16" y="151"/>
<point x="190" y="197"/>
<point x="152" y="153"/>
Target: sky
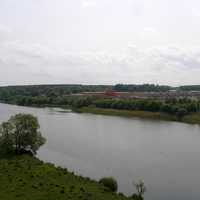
<point x="99" y="42"/>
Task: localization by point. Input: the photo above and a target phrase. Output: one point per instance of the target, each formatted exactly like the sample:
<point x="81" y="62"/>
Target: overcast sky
<point x="99" y="41"/>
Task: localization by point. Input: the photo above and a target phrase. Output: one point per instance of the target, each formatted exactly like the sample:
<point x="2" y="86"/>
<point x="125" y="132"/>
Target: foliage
<point x="140" y="188"/>
<point x="191" y="118"/>
<point x="65" y="96"/>
<point x="136" y="197"/>
<point x="169" y="106"/>
<point x="110" y="183"/>
<point x="190" y="88"/>
<point x="181" y="112"/>
<point x="50" y="91"/>
<point x="21" y="133"/>
<point x="27" y="178"/>
<point x="6" y="142"/>
<point x="141" y="88"/>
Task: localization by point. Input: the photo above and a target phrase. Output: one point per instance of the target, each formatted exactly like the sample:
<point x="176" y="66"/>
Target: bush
<point x="181" y="113"/>
<point x="110" y="183"/>
<point x="141" y="189"/>
<point x="136" y="197"/>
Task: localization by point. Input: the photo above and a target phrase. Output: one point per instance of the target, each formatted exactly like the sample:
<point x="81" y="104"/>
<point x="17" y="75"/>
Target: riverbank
<point x="191" y="118"/>
<point x="27" y="178"/>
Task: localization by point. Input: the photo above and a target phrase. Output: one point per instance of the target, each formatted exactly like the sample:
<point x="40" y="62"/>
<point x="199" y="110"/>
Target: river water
<point x="166" y="155"/>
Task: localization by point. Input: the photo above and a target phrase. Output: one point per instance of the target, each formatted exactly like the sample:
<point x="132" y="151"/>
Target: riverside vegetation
<point x="180" y="109"/>
<point x="24" y="177"/>
<point x="183" y="110"/>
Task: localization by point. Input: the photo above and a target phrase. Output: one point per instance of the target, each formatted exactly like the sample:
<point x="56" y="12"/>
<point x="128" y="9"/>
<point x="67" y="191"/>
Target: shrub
<point x="110" y="183"/>
<point x="141" y="189"/>
<point x="136" y="197"/>
<point x="181" y="113"/>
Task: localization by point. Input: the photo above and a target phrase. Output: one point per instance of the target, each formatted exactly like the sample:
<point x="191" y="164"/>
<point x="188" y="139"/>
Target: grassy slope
<point x="27" y="178"/>
<point x="192" y="118"/>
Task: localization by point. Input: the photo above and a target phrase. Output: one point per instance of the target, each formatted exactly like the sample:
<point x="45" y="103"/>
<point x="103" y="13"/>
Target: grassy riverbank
<point x="191" y="118"/>
<point x="27" y="178"/>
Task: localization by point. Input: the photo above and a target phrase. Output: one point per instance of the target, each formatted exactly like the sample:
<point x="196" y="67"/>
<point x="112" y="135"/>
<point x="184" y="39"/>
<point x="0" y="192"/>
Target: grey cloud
<point x="29" y="63"/>
<point x="26" y="62"/>
<point x="90" y="41"/>
<point x="187" y="60"/>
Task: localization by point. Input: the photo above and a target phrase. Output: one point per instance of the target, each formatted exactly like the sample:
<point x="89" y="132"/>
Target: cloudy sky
<point x="99" y="41"/>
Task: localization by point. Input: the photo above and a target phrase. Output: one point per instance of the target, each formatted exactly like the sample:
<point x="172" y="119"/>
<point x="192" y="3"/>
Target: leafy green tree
<point x="21" y="133"/>
<point x="110" y="183"/>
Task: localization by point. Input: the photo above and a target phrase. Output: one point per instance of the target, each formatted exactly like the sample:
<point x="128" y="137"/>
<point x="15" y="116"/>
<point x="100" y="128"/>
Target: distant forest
<point x="60" y="95"/>
<point x="60" y="90"/>
<point x="40" y="95"/>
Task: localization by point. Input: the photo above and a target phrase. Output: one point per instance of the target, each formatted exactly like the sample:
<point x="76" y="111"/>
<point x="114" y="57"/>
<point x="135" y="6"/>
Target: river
<point x="166" y="155"/>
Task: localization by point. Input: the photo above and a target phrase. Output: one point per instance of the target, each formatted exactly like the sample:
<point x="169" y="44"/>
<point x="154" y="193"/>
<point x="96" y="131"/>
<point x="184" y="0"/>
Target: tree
<point x="21" y="133"/>
<point x="5" y="139"/>
<point x="110" y="183"/>
<point x="141" y="189"/>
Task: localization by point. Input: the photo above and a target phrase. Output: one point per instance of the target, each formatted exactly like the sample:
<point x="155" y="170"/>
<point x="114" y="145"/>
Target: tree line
<point x="141" y="88"/>
<point x="179" y="107"/>
<point x="190" y="88"/>
<point x="9" y="93"/>
<point x="49" y="90"/>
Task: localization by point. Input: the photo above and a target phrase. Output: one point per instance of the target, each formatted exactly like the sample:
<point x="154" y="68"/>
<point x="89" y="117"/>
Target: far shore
<point x="193" y="118"/>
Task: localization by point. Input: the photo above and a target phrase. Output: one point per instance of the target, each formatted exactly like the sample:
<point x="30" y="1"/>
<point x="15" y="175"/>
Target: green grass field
<point x="191" y="118"/>
<point x="27" y="178"/>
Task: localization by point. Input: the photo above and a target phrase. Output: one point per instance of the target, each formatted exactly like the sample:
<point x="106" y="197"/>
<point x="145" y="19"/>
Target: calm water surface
<point x="166" y="155"/>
